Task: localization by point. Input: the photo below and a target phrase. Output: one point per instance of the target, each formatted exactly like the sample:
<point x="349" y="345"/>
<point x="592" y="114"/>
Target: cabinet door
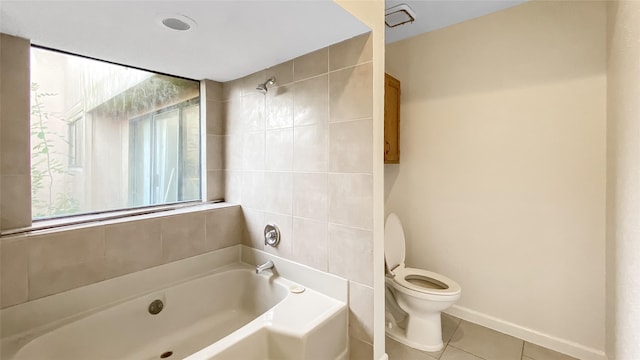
<point x="391" y="120"/>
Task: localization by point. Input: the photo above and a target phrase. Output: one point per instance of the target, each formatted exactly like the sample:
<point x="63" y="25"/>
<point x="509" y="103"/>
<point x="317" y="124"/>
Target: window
<point x="159" y="144"/>
<point x="110" y="137"/>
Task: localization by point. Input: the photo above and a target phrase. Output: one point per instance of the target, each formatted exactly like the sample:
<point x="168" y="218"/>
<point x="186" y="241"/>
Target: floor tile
<point x="536" y="352"/>
<point x="398" y="351"/>
<point x="486" y="343"/>
<point x="452" y="353"/>
<point x="359" y="350"/>
<point x="449" y="326"/>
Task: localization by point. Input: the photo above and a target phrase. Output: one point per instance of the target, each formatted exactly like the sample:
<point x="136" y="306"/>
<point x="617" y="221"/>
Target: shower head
<point x="263" y="87"/>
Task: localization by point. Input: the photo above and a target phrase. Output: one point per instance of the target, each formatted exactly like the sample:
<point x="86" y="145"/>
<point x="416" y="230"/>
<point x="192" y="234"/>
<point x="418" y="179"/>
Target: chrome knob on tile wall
<point x="271" y="235"/>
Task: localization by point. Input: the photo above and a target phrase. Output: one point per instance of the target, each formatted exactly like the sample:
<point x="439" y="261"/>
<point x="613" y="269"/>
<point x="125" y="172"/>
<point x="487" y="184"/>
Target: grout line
<point x="468" y="352"/>
<point x="452" y="335"/>
<point x="351" y="120"/>
<point x="351" y="66"/>
<point x="522" y="352"/>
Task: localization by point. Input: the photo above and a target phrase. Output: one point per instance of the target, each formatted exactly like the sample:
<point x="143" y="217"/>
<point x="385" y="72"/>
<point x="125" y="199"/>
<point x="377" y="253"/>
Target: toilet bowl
<point x="414" y="297"/>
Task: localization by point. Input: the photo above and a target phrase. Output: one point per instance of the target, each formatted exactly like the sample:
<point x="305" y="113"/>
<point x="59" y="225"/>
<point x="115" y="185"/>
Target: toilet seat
<point x="402" y="276"/>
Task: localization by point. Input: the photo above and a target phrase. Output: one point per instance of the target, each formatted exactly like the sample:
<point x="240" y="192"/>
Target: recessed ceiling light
<point x="178" y="22"/>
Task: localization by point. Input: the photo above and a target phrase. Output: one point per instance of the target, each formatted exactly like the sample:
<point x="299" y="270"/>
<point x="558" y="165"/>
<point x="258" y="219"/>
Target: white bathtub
<point x="226" y="313"/>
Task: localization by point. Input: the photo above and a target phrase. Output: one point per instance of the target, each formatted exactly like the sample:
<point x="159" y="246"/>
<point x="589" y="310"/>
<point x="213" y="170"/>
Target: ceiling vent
<point x="398" y="15"/>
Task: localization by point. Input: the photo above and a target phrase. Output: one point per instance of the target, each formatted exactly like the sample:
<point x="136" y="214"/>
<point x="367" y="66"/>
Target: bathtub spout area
<point x="265" y="266"/>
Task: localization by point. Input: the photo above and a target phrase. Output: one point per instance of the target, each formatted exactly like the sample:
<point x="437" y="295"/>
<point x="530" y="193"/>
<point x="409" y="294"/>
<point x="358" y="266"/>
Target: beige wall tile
<point x="233" y="186"/>
<point x="232" y="90"/>
<point x="311" y="101"/>
<point x="351" y="93"/>
<point x="253" y="190"/>
<point x="132" y="246"/>
<point x="279" y="103"/>
<point x="361" y="311"/>
<point x="253" y="107"/>
<point x="253" y="151"/>
<point x="253" y="228"/>
<point x="279" y="149"/>
<point x="13" y="272"/>
<point x="351" y="199"/>
<point x="224" y="227"/>
<point x="285" y="225"/>
<point x="215" y="111"/>
<point x="233" y="152"/>
<point x="183" y="236"/>
<point x="278" y="192"/>
<point x="310" y="148"/>
<point x="351" y="52"/>
<point x="66" y="278"/>
<point x="65" y="260"/>
<point x="15" y="161"/>
<point x="213" y="90"/>
<point x="310" y="244"/>
<point x="311" y="64"/>
<point x="215" y="185"/>
<point x="233" y="117"/>
<point x="49" y="251"/>
<point x="16" y="154"/>
<point x="15" y="107"/>
<point x="215" y="152"/>
<point x="350" y="253"/>
<point x="283" y="73"/>
<point x="16" y="201"/>
<point x="310" y="196"/>
<point x="351" y="146"/>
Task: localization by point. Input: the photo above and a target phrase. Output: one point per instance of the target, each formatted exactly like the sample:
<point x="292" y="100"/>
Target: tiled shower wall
<point x="301" y="157"/>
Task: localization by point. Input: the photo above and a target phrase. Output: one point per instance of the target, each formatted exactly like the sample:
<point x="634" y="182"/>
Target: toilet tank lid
<point x="394" y="245"/>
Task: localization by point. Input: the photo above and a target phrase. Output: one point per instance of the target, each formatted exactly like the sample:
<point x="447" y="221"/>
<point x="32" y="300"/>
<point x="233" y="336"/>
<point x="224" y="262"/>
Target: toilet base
<point x="400" y="335"/>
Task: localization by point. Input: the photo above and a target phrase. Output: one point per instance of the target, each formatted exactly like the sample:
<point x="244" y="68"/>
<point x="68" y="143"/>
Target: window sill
<point x="116" y="217"/>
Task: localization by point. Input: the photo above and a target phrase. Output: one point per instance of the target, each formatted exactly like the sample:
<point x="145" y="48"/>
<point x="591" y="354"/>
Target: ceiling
<point x="436" y="14"/>
<point x="231" y="38"/>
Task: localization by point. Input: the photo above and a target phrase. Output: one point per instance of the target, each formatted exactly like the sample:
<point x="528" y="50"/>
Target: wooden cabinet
<point x="391" y="120"/>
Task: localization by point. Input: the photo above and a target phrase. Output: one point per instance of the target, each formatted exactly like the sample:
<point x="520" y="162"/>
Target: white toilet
<point x="414" y="297"/>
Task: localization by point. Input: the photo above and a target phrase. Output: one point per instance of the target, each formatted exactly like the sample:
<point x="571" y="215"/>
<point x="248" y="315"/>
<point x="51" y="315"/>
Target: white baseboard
<point x="384" y="357"/>
<point x="545" y="340"/>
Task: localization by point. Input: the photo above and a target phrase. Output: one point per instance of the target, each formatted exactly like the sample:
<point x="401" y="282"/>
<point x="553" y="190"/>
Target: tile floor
<point x="467" y="341"/>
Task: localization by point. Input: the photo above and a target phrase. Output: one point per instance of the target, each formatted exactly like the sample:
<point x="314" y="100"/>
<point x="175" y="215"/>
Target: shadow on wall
<point x="391" y="173"/>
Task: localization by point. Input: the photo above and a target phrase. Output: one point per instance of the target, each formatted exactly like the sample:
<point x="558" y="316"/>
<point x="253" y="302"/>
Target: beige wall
<point x="501" y="184"/>
<point x="623" y="181"/>
<point x="301" y="157"/>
